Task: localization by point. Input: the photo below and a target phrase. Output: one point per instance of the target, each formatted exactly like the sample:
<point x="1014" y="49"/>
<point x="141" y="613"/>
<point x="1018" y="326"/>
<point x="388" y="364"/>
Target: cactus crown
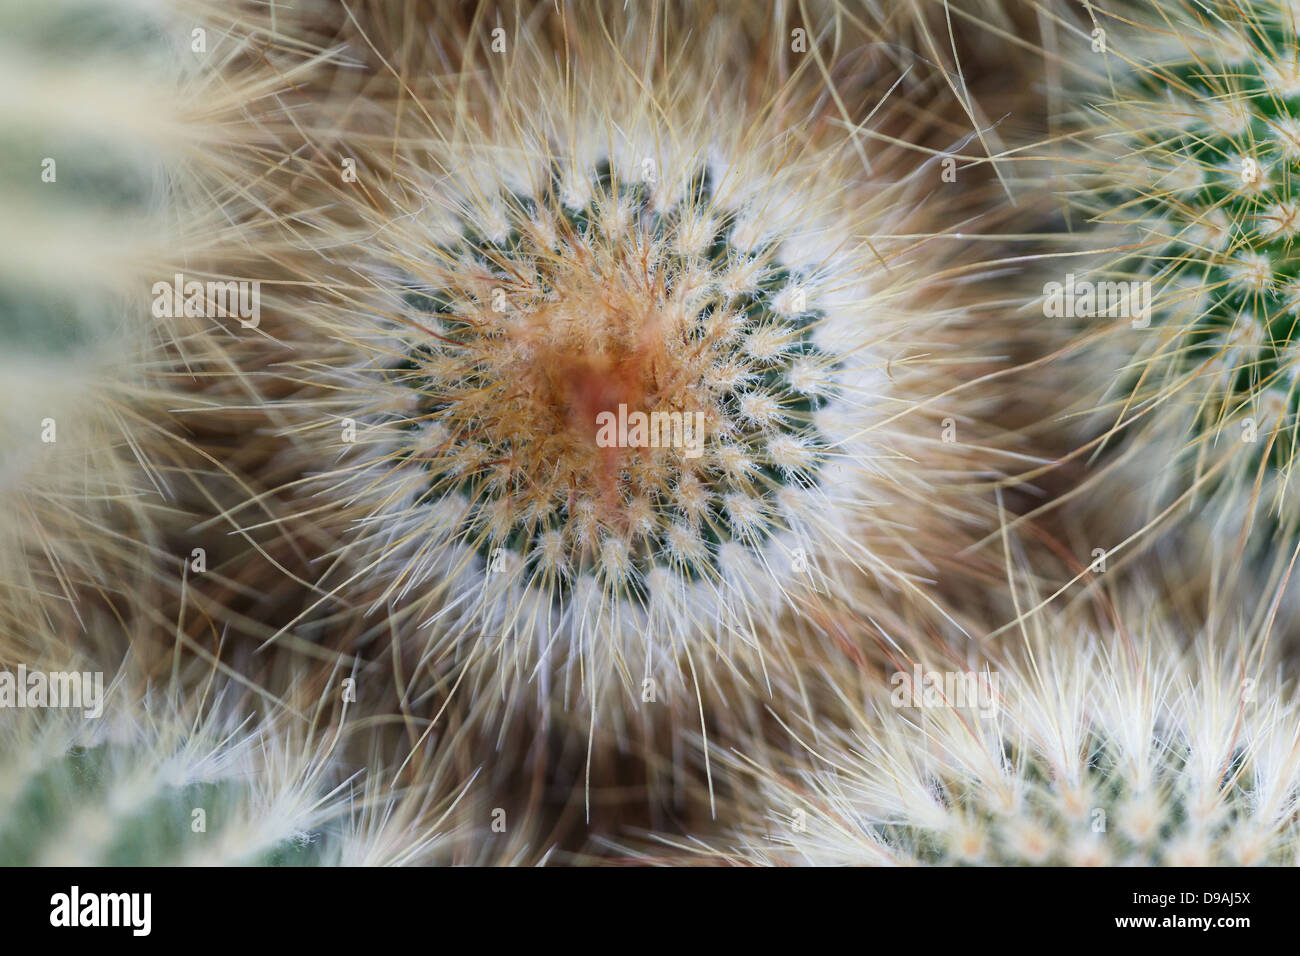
<point x="620" y="378"/>
<point x="587" y="306"/>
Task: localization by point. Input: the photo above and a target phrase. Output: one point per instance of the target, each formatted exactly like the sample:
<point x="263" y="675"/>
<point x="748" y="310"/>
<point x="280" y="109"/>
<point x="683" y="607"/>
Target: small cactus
<point x="147" y="784"/>
<point x="1098" y="747"/>
<point x="198" y="775"/>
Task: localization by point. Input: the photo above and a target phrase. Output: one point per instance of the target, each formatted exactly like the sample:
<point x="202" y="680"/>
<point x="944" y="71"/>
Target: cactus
<point x="1196" y="150"/>
<point x="184" y="773"/>
<point x="1113" y="745"/>
<point x="153" y="781"/>
<point x="636" y="351"/>
<point x="103" y="805"/>
<point x="97" y="159"/>
<point x="118" y="158"/>
<point x="464" y="372"/>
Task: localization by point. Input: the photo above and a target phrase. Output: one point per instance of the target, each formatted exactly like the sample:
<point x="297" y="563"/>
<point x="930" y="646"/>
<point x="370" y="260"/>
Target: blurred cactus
<point x="1196" y="144"/>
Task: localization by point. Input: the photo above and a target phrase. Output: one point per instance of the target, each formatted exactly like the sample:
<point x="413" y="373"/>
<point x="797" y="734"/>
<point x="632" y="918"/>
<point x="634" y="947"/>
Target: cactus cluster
<point x="633" y="396"/>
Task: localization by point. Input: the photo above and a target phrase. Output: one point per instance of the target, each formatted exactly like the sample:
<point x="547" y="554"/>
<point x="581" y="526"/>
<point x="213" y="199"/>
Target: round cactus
<point x="104" y="770"/>
<point x="623" y="394"/>
<point x="694" y="335"/>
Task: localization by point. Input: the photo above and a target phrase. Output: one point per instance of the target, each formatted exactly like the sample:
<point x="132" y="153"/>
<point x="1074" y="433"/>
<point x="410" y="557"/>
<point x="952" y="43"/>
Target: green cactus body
<point x="1204" y="141"/>
<point x="111" y="791"/>
<point x="101" y="805"/>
